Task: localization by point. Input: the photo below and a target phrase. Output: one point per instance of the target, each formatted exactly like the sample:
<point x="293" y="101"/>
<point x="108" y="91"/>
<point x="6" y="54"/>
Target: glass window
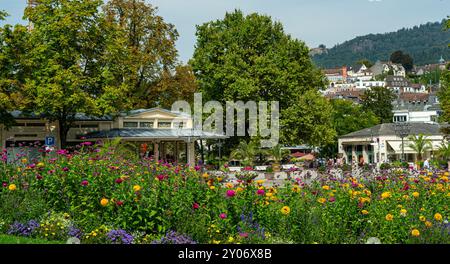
<point x="164" y="124"/>
<point x="146" y="124"/>
<point x="130" y="124"/>
<point x="89" y="126"/>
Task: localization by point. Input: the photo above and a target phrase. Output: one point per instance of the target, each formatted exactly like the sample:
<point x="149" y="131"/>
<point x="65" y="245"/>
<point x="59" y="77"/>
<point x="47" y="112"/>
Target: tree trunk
<point x="63" y="130"/>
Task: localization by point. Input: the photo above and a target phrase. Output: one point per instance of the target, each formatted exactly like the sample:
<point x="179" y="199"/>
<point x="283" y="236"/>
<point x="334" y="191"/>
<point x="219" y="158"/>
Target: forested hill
<point x="425" y="43"/>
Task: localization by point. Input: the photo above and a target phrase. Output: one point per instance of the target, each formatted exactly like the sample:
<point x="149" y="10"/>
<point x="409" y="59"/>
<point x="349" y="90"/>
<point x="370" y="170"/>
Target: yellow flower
<point x="230" y="239"/>
<point x="205" y="175"/>
<point x="24" y="160"/>
<point x="297" y="189"/>
<point x="403" y="212"/>
<point x="415" y="233"/>
<point x="422" y="218"/>
<point x="415" y="194"/>
<point x="40" y="164"/>
<point x="437" y="217"/>
<point x="12" y="187"/>
<point x="104" y="202"/>
<point x="136" y="188"/>
<point x="389" y="217"/>
<point x="285" y="210"/>
<point x="386" y="195"/>
<point x="229" y="185"/>
<point x="400" y="206"/>
<point x="321" y="200"/>
<point x="239" y="189"/>
<point x="216" y="241"/>
<point x="269" y="194"/>
<point x="259" y="182"/>
<point x="326" y="187"/>
<point x="219" y="179"/>
<point x="212" y="187"/>
<point x="428" y="224"/>
<point x="364" y="212"/>
<point x="422" y="209"/>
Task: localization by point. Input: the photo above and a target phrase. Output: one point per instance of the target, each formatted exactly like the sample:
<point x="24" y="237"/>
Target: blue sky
<point x="313" y="21"/>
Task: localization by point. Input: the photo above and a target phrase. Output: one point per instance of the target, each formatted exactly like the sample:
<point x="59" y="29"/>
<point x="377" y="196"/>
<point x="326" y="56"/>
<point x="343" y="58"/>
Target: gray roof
<point x="138" y="111"/>
<point x="152" y="133"/>
<point x="388" y="129"/>
<point x="78" y="117"/>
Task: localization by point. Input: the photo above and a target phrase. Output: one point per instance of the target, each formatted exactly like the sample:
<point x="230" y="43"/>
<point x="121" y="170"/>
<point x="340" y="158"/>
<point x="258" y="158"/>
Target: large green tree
<point x="14" y="69"/>
<point x="404" y="59"/>
<point x="250" y="57"/>
<point x="147" y="52"/>
<point x="379" y="101"/>
<point x="444" y="93"/>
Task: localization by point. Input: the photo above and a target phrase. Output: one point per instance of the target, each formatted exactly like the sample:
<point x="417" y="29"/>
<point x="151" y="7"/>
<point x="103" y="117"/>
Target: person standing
<point x="426" y="164"/>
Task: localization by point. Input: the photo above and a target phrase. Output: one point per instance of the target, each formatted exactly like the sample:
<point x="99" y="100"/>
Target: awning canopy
<point x="397" y="146"/>
<point x="149" y="133"/>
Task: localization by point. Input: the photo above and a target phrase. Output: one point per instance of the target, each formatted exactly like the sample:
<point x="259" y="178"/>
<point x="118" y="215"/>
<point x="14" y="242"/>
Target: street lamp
<point x="402" y="130"/>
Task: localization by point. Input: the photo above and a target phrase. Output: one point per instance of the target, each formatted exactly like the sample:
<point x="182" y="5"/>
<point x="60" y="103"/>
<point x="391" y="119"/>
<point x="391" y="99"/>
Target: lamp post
<point x="402" y="130"/>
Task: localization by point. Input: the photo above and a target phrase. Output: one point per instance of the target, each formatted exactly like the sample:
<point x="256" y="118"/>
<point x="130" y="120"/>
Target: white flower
<point x="373" y="240"/>
<point x="73" y="240"/>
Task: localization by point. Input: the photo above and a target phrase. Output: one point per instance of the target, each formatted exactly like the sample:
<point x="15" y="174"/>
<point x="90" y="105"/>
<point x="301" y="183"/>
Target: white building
<point x="380" y="143"/>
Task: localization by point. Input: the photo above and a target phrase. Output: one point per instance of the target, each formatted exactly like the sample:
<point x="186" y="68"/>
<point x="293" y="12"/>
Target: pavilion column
<point x="156" y="150"/>
<point x="190" y="153"/>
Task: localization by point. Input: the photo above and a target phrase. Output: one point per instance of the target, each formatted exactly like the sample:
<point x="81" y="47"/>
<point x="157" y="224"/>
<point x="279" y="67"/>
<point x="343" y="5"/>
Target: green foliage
<point x="379" y="101"/>
<point x="420" y="144"/>
<point x="444" y="151"/>
<point x="252" y="58"/>
<point x="246" y="152"/>
<point x="425" y="43"/>
<point x="348" y="117"/>
<point x="404" y="59"/>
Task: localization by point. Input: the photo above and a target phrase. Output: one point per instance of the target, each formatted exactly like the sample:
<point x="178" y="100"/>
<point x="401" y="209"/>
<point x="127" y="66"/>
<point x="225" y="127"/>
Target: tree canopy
<point x="89" y="57"/>
<point x="379" y="101"/>
<point x="250" y="57"/>
<point x="404" y="59"/>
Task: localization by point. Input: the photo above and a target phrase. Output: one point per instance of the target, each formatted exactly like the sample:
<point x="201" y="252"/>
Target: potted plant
<point x="277" y="153"/>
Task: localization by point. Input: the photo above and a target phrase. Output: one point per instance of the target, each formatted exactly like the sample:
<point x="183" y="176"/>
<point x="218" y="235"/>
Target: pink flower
<point x="39" y="177"/>
<point x="260" y="192"/>
<point x="51" y="171"/>
<point x="197" y="168"/>
<point x="161" y="177"/>
<point x="4" y="184"/>
<point x="332" y="199"/>
<point x="195" y="206"/>
<point x="85" y="183"/>
<point x="87" y="143"/>
<point x="61" y="152"/>
<point x="223" y="215"/>
<point x="243" y="234"/>
<point x="231" y="193"/>
<point x="32" y="165"/>
<point x="248" y="168"/>
<point x="65" y="169"/>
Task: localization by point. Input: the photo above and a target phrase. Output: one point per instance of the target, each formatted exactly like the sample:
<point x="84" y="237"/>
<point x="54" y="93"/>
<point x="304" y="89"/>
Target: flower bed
<point x="99" y="195"/>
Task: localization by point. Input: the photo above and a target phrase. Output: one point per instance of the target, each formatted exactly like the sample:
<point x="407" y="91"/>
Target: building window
<point x="89" y="125"/>
<point x="164" y="124"/>
<point x="146" y="124"/>
<point x="179" y="125"/>
<point x="35" y="124"/>
<point x="130" y="124"/>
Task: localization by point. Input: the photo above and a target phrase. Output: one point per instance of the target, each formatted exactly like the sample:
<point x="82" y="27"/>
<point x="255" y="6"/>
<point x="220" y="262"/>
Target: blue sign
<point x="49" y="140"/>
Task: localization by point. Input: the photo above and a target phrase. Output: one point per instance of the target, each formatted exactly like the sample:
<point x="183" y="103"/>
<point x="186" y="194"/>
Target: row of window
<point x="400" y="118"/>
<point x="150" y="125"/>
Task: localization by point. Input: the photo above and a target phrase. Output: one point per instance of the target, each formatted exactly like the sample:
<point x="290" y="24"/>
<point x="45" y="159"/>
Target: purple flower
<point x="120" y="237"/>
<point x="173" y="237"/>
<point x="65" y="169"/>
<point x="20" y="229"/>
<point x="75" y="232"/>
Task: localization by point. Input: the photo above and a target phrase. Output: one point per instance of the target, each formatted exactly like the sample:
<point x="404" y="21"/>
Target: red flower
<point x="85" y="183"/>
<point x="195" y="206"/>
<point x="223" y="215"/>
<point x="161" y="177"/>
<point x="39" y="177"/>
<point x="332" y="199"/>
<point x="5" y="184"/>
<point x="119" y="203"/>
<point x="119" y="180"/>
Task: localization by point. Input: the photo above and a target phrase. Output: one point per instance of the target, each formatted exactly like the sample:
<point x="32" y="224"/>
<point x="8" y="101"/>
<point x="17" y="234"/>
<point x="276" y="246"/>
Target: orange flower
<point x="389" y="217"/>
<point x="415" y="233"/>
<point x="437" y="217"/>
<point x="104" y="202"/>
